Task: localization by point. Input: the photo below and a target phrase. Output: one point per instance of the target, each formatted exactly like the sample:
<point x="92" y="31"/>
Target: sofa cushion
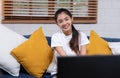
<point x="97" y="45"/>
<point x="9" y="40"/>
<point x="115" y="47"/>
<point x="4" y="74"/>
<point x="47" y="37"/>
<point x="22" y="75"/>
<point x="34" y="54"/>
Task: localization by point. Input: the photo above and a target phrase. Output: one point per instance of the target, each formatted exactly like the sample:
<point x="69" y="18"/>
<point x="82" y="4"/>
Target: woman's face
<point x="65" y="23"/>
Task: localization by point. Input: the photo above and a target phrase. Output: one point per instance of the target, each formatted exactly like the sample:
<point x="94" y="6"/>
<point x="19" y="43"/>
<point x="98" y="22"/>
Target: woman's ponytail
<point x="74" y="42"/>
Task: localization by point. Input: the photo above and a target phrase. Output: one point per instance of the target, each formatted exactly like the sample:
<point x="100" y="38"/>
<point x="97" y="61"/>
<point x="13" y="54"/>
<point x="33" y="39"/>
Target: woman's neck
<point x="68" y="32"/>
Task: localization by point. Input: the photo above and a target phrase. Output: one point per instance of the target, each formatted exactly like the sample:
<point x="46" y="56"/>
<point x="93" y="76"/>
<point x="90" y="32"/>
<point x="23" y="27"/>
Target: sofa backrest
<point x="110" y="39"/>
<point x="105" y="38"/>
<point x="47" y="37"/>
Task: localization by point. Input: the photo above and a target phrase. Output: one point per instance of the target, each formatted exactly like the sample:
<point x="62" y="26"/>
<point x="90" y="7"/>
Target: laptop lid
<point x="89" y="67"/>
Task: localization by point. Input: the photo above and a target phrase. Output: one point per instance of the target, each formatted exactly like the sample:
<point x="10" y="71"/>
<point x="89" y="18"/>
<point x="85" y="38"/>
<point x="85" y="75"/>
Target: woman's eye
<point x="60" y="21"/>
<point x="66" y="19"/>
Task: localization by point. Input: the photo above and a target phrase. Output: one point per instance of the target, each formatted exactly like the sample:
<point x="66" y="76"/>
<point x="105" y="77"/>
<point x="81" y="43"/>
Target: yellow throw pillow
<point x="97" y="45"/>
<point x="34" y="54"/>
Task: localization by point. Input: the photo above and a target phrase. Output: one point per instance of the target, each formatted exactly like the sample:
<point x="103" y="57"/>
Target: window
<point x="42" y="11"/>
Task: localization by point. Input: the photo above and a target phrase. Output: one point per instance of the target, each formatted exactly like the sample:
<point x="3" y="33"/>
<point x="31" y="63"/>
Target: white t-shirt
<point x="59" y="39"/>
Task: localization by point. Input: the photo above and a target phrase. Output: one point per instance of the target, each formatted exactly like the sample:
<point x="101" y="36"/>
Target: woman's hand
<point x="60" y="51"/>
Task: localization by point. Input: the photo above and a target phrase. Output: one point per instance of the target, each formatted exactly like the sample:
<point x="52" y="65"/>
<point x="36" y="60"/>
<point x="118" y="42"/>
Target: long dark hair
<point x="74" y="42"/>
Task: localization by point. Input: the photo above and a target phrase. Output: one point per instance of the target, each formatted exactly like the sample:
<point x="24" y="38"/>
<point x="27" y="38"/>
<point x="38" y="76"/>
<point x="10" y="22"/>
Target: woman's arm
<point x="60" y="51"/>
<point x="83" y="50"/>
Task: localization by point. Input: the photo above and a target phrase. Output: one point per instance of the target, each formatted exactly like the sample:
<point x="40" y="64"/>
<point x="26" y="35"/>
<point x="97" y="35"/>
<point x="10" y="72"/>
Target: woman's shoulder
<point x="81" y="33"/>
<point x="57" y="34"/>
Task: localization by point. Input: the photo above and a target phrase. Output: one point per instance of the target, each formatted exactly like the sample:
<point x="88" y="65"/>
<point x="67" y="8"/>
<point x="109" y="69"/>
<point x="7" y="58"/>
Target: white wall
<point x="108" y="22"/>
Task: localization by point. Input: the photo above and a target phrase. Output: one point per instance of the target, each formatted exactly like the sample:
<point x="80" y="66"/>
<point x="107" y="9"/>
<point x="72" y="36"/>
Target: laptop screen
<point x="89" y="67"/>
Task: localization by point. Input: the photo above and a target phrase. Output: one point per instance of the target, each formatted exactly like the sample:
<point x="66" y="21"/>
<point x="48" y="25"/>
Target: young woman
<point x="68" y="41"/>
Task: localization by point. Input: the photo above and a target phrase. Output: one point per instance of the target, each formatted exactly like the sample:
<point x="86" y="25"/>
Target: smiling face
<point x="64" y="21"/>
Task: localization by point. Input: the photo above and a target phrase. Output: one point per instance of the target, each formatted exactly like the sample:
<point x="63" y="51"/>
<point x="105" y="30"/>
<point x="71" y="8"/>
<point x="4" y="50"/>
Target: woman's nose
<point x="64" y="22"/>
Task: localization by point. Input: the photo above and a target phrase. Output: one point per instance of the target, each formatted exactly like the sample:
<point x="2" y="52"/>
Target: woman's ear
<point x="72" y="18"/>
<point x="56" y="23"/>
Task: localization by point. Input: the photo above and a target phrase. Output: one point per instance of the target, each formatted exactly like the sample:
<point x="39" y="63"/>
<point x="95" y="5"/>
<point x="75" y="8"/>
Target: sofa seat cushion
<point x="21" y="75"/>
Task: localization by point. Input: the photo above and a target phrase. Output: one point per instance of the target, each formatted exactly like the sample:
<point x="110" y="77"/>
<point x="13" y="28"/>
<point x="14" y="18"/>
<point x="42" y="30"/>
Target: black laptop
<point x="89" y="66"/>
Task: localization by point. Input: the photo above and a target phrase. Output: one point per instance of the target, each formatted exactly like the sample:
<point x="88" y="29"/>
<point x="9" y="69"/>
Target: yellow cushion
<point x="34" y="54"/>
<point x="97" y="45"/>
